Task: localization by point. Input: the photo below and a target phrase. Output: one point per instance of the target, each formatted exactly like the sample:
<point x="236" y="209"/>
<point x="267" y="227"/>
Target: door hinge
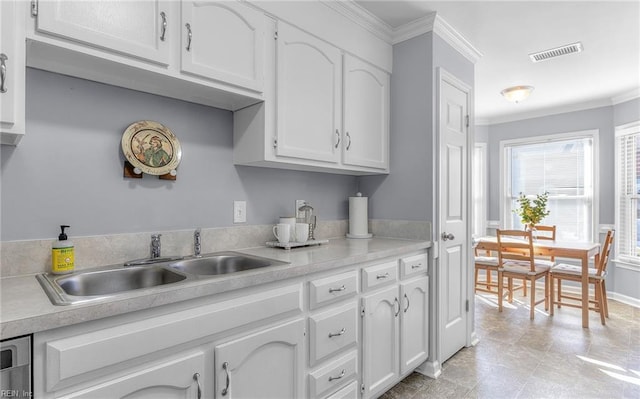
<point x="362" y="313"/>
<point x="34" y="8"/>
<point x="275" y="35"/>
<point x="467" y="120"/>
<point x="466" y="305"/>
<point x="362" y="388"/>
<point x="275" y="142"/>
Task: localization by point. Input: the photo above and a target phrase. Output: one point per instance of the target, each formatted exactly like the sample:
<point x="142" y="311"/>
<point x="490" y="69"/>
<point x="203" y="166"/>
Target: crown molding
<point x="624" y="97"/>
<point x="455" y="39"/>
<point x="429" y="23"/>
<point x="361" y="16"/>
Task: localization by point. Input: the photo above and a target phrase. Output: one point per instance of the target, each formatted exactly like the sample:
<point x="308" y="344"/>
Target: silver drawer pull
<point x="331" y="335"/>
<point x="419" y="265"/>
<point x="381" y="276"/>
<point x="331" y="290"/>
<point x="225" y="366"/>
<point x="196" y="378"/>
<point x="189" y="36"/>
<point x="164" y="25"/>
<point x="338" y="377"/>
<point x="3" y="73"/>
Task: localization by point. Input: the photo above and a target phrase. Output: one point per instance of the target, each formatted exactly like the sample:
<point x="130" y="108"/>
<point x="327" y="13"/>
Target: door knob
<point x="446" y="236"/>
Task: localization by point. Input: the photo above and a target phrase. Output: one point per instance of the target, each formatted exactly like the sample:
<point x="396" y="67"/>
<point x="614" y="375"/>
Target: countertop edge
<point x="37" y="314"/>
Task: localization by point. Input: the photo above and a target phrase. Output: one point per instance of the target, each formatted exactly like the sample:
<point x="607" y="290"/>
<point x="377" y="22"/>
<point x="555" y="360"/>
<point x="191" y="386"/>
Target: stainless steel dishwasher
<point x="15" y="368"/>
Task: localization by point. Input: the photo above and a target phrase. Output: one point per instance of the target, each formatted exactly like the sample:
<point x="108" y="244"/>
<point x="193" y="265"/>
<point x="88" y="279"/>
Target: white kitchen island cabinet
<point x="224" y="41"/>
<point x="266" y="364"/>
<point x="12" y="74"/>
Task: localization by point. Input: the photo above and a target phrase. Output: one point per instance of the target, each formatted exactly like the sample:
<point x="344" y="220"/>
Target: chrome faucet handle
<point x="197" y="242"/>
<point x="155" y="245"/>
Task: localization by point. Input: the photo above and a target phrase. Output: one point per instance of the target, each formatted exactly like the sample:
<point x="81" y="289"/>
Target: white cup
<point x="291" y="221"/>
<point x="302" y="232"/>
<point x="282" y="231"/>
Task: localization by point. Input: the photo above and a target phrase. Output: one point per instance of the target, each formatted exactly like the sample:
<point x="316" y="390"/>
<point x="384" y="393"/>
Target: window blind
<point x="628" y="201"/>
<point x="564" y="169"/>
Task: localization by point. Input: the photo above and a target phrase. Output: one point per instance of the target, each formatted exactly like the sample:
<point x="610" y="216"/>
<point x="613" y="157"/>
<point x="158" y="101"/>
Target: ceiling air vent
<point x="556" y="52"/>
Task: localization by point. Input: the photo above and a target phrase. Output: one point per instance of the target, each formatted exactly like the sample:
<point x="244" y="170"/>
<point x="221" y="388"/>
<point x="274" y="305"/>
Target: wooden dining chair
<point x="545" y="232"/>
<point x="516" y="260"/>
<point x="487" y="261"/>
<point x="597" y="275"/>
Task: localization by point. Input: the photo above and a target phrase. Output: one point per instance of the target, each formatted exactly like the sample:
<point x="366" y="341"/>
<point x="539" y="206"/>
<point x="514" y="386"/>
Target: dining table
<point x="579" y="250"/>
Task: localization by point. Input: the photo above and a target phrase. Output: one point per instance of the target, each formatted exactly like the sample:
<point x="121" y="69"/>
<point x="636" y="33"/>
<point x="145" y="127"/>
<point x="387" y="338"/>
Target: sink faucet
<point x="155" y="246"/>
<point x="197" y="243"/>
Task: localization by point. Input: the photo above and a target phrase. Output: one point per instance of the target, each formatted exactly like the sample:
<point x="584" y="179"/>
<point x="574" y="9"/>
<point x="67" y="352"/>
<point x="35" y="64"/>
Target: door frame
<point x="433" y="366"/>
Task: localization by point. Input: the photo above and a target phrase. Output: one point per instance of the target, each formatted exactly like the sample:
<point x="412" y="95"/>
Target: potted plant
<point x="530" y="213"/>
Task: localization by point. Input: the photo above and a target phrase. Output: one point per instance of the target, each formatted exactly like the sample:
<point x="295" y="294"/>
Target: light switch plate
<point x="239" y="211"/>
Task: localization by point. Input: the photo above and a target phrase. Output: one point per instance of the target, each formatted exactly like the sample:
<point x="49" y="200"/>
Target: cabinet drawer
<point x="332" y="331"/>
<point x="378" y="275"/>
<point x="413" y="265"/>
<point x="330" y="378"/>
<point x="348" y="392"/>
<point x="333" y="288"/>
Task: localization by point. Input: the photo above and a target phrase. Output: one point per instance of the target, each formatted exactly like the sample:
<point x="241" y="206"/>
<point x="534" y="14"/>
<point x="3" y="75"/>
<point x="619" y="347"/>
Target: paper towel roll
<point x="358" y="217"/>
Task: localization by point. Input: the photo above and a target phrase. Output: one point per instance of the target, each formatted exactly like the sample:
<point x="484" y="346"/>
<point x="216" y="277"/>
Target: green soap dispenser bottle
<point x="62" y="254"/>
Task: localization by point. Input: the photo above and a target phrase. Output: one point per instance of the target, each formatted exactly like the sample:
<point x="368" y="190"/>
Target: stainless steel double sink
<point x="109" y="282"/>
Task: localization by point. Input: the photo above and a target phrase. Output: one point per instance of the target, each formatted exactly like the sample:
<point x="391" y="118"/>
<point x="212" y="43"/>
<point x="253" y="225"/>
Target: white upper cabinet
<point x="135" y="28"/>
<point x="12" y="71"/>
<point x="309" y="78"/>
<point x="366" y="115"/>
<point x="223" y="40"/>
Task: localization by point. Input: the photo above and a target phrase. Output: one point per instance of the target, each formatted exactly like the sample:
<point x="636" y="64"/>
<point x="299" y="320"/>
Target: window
<point x="628" y="192"/>
<point x="561" y="165"/>
<point x="478" y="176"/>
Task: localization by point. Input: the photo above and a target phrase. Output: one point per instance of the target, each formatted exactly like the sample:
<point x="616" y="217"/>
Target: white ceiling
<point x="506" y="32"/>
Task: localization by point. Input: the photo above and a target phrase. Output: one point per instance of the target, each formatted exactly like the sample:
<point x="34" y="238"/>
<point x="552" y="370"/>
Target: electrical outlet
<point x="239" y="211"/>
<point x="299" y="203"/>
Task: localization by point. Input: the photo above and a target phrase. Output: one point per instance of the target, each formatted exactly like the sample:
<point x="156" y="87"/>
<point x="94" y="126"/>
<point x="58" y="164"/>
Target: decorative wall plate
<point x="151" y="147"/>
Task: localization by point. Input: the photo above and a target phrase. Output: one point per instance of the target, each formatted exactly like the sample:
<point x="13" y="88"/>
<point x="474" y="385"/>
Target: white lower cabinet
<point x="395" y="335"/>
<point x="266" y="364"/>
<point x="180" y="376"/>
<point x="258" y="342"/>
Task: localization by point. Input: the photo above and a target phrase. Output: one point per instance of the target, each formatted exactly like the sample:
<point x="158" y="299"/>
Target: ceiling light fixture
<point x="517" y="93"/>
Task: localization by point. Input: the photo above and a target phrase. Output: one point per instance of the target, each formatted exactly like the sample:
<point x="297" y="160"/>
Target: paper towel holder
<point x="357" y="205"/>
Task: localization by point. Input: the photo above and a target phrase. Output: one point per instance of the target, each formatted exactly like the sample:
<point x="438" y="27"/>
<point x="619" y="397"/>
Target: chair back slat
<point x="545" y="232"/>
<point x="604" y="253"/>
<point x="515" y="245"/>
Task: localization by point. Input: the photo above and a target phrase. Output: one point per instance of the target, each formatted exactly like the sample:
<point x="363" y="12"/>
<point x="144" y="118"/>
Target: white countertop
<point x="25" y="308"/>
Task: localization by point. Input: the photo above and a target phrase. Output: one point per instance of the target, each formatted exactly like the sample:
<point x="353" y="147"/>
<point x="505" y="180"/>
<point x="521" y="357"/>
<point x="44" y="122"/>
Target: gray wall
<point x="408" y="192"/>
<point x="623" y="281"/>
<point x="598" y="118"/>
<point x="68" y="168"/>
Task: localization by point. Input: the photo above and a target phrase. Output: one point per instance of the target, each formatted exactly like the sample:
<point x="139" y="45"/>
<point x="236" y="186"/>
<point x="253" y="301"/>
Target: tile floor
<point x="549" y="357"/>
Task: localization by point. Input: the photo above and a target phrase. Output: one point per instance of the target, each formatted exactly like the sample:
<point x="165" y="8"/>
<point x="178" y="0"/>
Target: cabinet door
<point x="137" y="28"/>
<point x="414" y="323"/>
<point x="12" y="80"/>
<point x="366" y="115"/>
<point x="180" y="376"/>
<point x="380" y="355"/>
<point x="309" y="96"/>
<point x="224" y="41"/>
<point x="266" y="364"/>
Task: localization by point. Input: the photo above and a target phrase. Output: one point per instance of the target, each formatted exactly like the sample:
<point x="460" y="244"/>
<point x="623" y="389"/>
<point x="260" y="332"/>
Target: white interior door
<point x="453" y="136"/>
